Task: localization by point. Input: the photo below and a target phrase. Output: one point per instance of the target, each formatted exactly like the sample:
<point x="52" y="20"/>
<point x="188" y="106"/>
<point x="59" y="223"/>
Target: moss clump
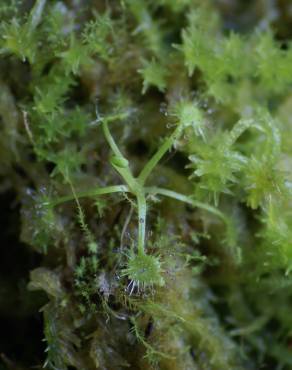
<point x="147" y="145"/>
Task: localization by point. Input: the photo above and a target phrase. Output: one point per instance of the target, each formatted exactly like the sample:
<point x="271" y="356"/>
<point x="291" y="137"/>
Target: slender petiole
<point x="90" y="194"/>
<point x="151" y="164"/>
<point x="123" y="171"/>
<point x="186" y="199"/>
<point x="111" y="140"/>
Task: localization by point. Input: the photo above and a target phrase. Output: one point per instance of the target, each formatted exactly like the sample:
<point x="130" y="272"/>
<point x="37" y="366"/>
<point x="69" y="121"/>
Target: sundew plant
<point x="145" y="184"/>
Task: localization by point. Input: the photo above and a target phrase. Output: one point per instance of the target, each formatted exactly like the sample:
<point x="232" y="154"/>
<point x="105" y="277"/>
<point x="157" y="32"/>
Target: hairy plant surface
<point x="145" y="183"/>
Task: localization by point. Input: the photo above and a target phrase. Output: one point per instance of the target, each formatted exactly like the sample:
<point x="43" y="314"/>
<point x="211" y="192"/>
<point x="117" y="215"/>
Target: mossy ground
<point x="145" y="185"/>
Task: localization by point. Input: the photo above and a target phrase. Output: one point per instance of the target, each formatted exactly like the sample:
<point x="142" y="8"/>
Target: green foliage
<point x="154" y="74"/>
<point x="196" y="47"/>
<point x="263" y="182"/>
<point x="42" y="226"/>
<point x="86" y="284"/>
<point x="117" y="114"/>
<point x="270" y="58"/>
<point x="19" y="39"/>
<point x="9" y="9"/>
<point x="67" y="162"/>
<point x="175" y="6"/>
<point x="216" y="163"/>
<point x="75" y="57"/>
<point x="55" y="358"/>
<point x="97" y="36"/>
<point x="147" y="26"/>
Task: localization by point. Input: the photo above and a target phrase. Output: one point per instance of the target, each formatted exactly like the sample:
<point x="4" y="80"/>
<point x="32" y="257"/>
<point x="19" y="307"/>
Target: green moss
<point x="149" y="148"/>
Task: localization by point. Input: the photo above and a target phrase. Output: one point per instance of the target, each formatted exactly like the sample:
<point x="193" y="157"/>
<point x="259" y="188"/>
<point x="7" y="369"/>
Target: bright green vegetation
<point x="145" y="161"/>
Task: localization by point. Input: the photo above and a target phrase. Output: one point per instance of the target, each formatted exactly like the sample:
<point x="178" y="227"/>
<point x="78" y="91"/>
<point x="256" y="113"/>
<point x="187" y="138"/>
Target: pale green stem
<point x="141" y="203"/>
<point x="128" y="177"/>
<point x="124" y="172"/>
<point x="151" y="164"/>
<point x="90" y="194"/>
<point x="238" y="129"/>
<point x="186" y="199"/>
<point x="110" y="140"/>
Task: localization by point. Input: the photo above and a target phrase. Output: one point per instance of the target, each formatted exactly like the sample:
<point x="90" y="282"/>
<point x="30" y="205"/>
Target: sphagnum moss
<point x="148" y="147"/>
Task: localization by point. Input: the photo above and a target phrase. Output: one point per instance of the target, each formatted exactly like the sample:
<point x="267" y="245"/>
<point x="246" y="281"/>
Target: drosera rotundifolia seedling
<point x="143" y="270"/>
